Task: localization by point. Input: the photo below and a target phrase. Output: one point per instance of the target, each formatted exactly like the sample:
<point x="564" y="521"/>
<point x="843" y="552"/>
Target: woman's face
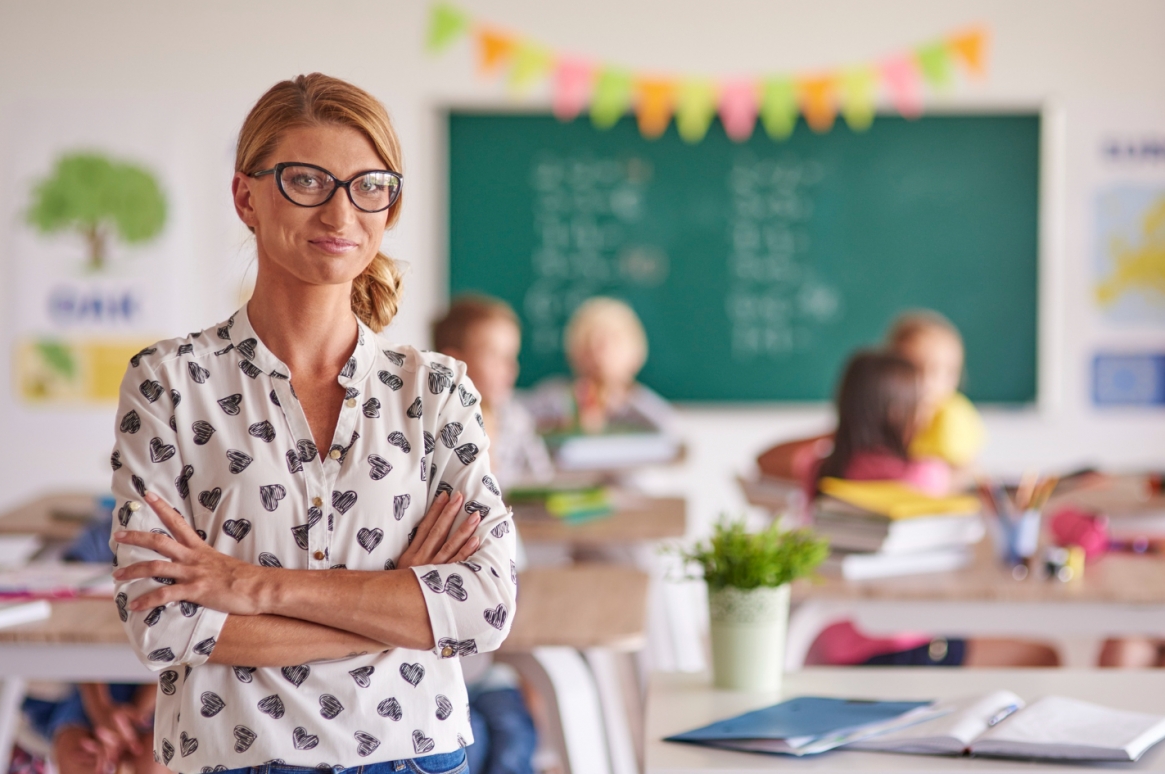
<point x="326" y="245"/>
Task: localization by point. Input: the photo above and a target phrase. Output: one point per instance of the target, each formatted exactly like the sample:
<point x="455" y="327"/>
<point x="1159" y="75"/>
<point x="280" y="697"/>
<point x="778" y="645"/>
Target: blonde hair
<point x="315" y="100"/>
<point x="910" y="324"/>
<point x="604" y="312"/>
<point x="464" y="314"/>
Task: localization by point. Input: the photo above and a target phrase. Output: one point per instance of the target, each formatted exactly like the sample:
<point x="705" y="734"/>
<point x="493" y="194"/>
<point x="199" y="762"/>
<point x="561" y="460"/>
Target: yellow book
<point x="895" y="500"/>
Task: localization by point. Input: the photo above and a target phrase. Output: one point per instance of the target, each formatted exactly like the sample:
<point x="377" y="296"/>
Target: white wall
<point x="207" y="61"/>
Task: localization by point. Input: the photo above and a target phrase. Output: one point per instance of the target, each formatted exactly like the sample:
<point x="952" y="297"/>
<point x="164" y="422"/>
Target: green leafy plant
<point x="747" y="560"/>
<point x="98" y="198"/>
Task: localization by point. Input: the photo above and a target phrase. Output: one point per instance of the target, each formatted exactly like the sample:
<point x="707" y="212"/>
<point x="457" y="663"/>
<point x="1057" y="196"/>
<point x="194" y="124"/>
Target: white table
<point x="679" y="702"/>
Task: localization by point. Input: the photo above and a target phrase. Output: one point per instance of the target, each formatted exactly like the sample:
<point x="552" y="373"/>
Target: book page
<point x="961" y="721"/>
<point x="1060" y="727"/>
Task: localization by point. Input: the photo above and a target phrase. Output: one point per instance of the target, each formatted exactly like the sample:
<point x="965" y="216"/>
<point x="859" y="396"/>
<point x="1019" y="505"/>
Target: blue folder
<point x="806" y="716"/>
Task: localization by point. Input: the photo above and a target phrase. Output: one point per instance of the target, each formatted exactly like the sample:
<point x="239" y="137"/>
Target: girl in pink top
<point x="877" y="407"/>
<point x="878" y="410"/>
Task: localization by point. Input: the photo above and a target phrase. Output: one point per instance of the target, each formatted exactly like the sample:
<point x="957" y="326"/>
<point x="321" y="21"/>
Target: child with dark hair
<point x="879" y="408"/>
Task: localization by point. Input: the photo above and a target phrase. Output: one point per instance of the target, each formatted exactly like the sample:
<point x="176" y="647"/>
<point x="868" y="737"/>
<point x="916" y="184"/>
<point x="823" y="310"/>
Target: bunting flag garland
<point x="777" y="99"/>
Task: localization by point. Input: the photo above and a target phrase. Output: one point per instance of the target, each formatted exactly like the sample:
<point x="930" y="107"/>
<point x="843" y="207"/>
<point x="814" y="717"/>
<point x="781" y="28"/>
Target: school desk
<point x="678" y="702"/>
<point x="1120" y="595"/>
<point x="637" y="518"/>
<point x="572" y="621"/>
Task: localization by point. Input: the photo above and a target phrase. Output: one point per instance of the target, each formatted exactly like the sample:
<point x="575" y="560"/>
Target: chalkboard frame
<point x="1049" y="367"/>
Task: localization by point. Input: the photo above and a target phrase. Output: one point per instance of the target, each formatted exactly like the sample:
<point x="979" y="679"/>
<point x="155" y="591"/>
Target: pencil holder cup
<point x="748" y="628"/>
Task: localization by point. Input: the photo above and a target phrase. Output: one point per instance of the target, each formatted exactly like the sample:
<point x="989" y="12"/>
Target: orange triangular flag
<point x="818" y="104"/>
<point x="656" y="99"/>
<point x="970" y="48"/>
<point x="493" y="49"/>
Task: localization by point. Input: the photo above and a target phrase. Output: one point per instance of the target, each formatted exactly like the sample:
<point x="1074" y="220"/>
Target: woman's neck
<point x="310" y="328"/>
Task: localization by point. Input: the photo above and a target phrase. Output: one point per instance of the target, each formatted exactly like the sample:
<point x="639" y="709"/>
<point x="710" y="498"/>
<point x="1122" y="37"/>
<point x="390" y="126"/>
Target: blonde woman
<point x="308" y="535"/>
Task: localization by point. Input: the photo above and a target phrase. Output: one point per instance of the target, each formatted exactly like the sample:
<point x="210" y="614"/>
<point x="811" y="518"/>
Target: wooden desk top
<point x="679" y="702"/>
<point x="636" y="519"/>
<point x="53" y="517"/>
<point x="1118" y="578"/>
<point x="580" y="606"/>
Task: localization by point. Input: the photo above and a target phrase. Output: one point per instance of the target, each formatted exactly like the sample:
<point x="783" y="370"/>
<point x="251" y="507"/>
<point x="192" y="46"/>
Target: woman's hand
<point x="200" y="573"/>
<point x="436" y="542"/>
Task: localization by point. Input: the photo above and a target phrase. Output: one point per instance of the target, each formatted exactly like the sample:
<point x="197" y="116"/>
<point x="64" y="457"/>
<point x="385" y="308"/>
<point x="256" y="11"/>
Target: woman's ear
<point x="244" y="200"/>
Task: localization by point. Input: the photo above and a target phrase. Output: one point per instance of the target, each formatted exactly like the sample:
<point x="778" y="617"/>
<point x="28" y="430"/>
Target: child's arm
<point x="793" y="460"/>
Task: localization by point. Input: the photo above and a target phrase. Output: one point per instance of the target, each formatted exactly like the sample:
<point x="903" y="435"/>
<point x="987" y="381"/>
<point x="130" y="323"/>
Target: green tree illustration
<point x="97" y="198"/>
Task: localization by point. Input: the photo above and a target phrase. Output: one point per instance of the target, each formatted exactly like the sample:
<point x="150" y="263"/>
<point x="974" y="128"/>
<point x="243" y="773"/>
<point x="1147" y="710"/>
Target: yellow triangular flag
<point x="653" y="110"/>
<point x="493" y="49"/>
<point x="971" y="48"/>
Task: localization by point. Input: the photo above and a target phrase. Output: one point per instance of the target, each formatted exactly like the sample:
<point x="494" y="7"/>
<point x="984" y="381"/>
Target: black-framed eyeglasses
<point x="307" y="185"/>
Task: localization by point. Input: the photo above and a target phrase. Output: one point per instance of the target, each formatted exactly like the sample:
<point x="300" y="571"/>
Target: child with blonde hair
<point x="606" y="347"/>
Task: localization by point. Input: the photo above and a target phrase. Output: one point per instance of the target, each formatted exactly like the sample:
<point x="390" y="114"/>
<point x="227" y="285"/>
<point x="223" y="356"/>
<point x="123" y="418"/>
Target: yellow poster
<point x="72" y="371"/>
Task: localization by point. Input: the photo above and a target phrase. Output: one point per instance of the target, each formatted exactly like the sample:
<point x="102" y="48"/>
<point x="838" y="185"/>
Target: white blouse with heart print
<point x="211" y="423"/>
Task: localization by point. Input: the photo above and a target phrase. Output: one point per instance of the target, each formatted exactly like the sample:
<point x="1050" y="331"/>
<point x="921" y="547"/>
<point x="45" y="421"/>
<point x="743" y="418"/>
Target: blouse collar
<point x="251" y="348"/>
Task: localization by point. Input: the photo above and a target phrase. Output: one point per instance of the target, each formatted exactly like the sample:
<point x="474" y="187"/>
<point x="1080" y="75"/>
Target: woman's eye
<point x="305" y="181"/>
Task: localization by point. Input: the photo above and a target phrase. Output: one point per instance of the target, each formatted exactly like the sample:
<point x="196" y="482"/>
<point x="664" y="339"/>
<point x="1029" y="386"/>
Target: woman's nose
<point x="339" y="210"/>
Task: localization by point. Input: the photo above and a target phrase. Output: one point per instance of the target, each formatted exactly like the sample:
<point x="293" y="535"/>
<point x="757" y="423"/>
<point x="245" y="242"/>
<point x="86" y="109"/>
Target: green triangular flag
<point x="612" y="97"/>
<point x="695" y="108"/>
<point x="778" y="107"/>
<point x="446" y="24"/>
<point x="857" y="97"/>
<point x="934" y="62"/>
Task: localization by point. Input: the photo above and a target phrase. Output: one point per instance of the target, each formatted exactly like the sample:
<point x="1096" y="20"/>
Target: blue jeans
<point x="503" y="733"/>
<point x="441" y="763"/>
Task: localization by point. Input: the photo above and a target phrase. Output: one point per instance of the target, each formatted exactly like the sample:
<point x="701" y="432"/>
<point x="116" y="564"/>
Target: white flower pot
<point x="748" y="637"/>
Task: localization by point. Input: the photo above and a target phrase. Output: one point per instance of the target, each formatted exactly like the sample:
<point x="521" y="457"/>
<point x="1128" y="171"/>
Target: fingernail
<point x="151" y="497"/>
<point x="120" y="535"/>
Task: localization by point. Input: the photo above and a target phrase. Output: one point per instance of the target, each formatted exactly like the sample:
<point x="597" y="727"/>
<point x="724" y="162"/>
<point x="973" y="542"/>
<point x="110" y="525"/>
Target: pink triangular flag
<point x="573" y="81"/>
<point x="738" y="108"/>
<point x="905" y="87"/>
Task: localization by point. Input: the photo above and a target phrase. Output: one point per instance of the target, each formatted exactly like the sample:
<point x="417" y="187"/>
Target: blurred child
<point x="484" y="333"/>
<point x="878" y="409"/>
<point x="98" y="728"/>
<point x="948" y="426"/>
<point x="606" y="347"/>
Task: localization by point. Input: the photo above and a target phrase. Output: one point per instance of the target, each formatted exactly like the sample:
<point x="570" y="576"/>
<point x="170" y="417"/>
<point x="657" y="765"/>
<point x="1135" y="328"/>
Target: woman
<point x="337" y="541"/>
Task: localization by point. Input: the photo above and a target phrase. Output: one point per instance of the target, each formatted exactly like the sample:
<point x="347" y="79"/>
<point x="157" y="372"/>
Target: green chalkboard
<point x="756" y="267"/>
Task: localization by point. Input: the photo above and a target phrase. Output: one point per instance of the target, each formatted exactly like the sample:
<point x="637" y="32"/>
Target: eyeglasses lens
<point x="306" y="186"/>
<point x="309" y="187"/>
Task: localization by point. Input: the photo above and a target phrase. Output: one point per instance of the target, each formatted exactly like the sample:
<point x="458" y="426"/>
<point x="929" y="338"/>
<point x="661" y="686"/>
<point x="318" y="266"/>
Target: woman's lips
<point x="334" y="246"/>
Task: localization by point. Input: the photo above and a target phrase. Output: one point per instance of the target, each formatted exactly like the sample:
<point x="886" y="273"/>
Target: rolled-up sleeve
<point x="471" y="604"/>
<point x="147" y="456"/>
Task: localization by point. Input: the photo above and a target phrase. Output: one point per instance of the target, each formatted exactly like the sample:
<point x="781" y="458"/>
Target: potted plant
<point x="748" y="576"/>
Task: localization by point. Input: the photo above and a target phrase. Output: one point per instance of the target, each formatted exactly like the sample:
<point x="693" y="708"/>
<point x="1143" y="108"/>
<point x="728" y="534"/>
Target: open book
<point x="999" y="725"/>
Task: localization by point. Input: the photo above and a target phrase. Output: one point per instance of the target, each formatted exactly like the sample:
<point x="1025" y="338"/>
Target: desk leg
<point x="1078" y="652"/>
<point x="11" y="697"/>
<point x="580" y="710"/>
<point x="619" y="695"/>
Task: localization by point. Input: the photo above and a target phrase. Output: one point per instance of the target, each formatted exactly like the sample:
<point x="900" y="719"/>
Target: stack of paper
<point x="883" y="528"/>
<point x="55" y="580"/>
<point x="612" y="451"/>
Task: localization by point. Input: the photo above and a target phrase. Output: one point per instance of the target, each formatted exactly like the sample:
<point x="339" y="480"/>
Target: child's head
<point x="877" y="406"/>
<point x="933" y="344"/>
<point x="483" y="333"/>
<point x="605" y="342"/>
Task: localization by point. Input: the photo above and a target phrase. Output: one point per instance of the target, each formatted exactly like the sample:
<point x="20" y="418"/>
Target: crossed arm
<point x="280" y="617"/>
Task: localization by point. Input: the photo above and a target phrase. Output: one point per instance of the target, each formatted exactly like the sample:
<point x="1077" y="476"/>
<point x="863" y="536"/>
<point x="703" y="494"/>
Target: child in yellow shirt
<point x="950" y="427"/>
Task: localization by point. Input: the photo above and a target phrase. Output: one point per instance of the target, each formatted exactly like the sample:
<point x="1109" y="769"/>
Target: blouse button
<point x="135" y="505"/>
<point x="335" y="454"/>
<point x="350" y="403"/>
<point x="317" y="502"/>
<point x="446" y="652"/>
<point x="318" y="556"/>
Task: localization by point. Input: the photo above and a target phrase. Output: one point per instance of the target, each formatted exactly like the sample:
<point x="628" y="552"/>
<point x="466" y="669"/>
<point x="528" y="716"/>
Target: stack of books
<point x="878" y="529"/>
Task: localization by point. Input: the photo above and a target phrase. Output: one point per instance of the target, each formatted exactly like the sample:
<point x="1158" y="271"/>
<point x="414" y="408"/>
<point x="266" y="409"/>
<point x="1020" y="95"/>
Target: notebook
<point x="805" y="725"/>
<point x="1052" y="728"/>
<point x="895" y="500"/>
